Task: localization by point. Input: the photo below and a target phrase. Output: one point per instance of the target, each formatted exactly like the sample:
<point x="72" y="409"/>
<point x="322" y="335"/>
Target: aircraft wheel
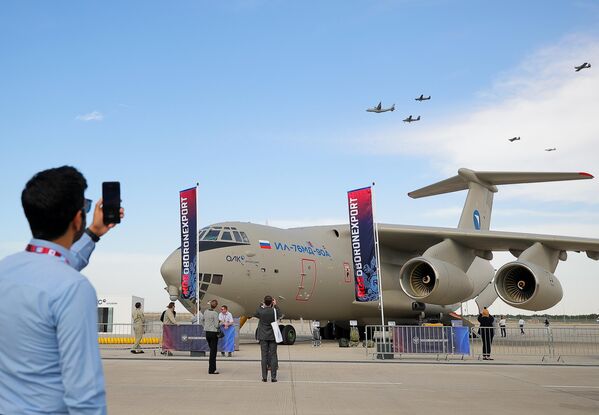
<point x="289" y="335"/>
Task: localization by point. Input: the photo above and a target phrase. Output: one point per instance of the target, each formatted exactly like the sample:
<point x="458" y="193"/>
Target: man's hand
<point x="98" y="227"/>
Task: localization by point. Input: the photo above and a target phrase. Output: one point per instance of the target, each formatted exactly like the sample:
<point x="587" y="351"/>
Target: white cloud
<point x="92" y="116"/>
<point x="544" y="101"/>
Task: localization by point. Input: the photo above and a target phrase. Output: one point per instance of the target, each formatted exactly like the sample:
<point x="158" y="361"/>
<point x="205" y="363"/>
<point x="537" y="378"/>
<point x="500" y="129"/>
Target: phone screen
<point x="111" y="202"/>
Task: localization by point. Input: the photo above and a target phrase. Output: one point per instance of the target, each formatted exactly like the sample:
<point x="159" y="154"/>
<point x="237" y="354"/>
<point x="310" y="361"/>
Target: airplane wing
<point x="418" y="239"/>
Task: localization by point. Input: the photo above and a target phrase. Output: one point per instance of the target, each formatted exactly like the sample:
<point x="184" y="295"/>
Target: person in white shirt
<point x="502" y="323"/>
<point x="521" y="325"/>
<point x="227" y="325"/>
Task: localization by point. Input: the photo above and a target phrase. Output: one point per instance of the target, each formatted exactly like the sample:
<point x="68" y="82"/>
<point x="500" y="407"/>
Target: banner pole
<point x="378" y="260"/>
<point x="197" y="255"/>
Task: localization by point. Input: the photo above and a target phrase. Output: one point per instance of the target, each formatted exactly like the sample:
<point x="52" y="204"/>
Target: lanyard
<point x="45" y="251"/>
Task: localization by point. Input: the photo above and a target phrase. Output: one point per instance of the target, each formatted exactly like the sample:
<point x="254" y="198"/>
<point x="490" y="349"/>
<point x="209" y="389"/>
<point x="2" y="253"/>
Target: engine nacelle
<point x="527" y="286"/>
<point x="433" y="281"/>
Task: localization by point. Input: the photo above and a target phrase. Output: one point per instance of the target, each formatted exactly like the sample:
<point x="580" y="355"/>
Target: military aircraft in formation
<point x="551" y="149"/>
<point x="426" y="272"/>
<point x="411" y="119"/>
<point x="379" y="108"/>
<point x="514" y="139"/>
<point x="422" y="98"/>
<point x="585" y="65"/>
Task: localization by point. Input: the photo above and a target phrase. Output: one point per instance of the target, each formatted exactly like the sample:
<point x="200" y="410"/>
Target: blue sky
<point x="263" y="104"/>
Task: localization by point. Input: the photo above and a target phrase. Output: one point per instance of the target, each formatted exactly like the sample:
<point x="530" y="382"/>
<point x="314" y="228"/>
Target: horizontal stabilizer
<point x="489" y="179"/>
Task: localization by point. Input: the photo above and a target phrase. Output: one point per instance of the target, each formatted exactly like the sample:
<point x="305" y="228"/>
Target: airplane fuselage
<point x="309" y="271"/>
<point x="379" y="111"/>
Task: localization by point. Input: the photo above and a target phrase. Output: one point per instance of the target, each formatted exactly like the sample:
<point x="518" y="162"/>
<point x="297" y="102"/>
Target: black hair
<point x="268" y="300"/>
<point x="51" y="199"/>
<point x="137" y="305"/>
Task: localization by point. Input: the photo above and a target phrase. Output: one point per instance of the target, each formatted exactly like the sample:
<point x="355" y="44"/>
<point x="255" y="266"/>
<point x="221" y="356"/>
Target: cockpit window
<point x="227" y="234"/>
<point x="237" y="236"/>
<point x="212" y="235"/>
<point x="245" y="238"/>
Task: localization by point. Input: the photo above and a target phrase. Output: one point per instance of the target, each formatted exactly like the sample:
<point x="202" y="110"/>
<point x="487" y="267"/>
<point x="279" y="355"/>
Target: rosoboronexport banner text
<point x="361" y="225"/>
<point x="189" y="250"/>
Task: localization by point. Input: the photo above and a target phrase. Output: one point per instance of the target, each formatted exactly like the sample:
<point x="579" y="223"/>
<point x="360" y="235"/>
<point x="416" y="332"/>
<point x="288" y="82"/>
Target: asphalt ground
<point x="331" y="380"/>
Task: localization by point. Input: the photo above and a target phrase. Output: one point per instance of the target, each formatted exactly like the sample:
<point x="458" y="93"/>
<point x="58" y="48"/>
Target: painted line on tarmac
<point x="320" y="382"/>
<point x="571" y="386"/>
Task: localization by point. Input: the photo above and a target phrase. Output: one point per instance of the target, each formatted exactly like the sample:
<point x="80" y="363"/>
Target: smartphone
<point x="111" y="202"/>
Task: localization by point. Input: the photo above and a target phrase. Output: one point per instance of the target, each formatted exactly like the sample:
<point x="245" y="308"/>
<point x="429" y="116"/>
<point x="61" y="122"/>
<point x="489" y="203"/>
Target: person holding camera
<point x="268" y="345"/>
<point x="211" y="328"/>
<point x="50" y="360"/>
<point x="487" y="332"/>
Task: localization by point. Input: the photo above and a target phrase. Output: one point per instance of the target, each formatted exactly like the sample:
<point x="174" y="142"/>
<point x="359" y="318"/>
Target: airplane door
<point x="307" y="281"/>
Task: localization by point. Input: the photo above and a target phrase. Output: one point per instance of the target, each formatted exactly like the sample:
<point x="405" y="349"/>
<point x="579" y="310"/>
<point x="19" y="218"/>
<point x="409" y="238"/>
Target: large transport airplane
<point x="426" y="271"/>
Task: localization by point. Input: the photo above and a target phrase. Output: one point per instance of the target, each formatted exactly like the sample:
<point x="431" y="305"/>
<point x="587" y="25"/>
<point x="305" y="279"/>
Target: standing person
<point x="486" y="332"/>
<point x="211" y="329"/>
<point x="170" y="315"/>
<point x="227" y="325"/>
<point x="521" y="325"/>
<point x="50" y="361"/>
<point x="502" y="323"/>
<point x="138" y="327"/>
<point x="268" y="345"/>
<point x="168" y="318"/>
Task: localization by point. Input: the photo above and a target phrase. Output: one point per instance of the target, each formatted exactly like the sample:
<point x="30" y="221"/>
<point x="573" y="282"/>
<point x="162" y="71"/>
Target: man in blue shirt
<point x="49" y="356"/>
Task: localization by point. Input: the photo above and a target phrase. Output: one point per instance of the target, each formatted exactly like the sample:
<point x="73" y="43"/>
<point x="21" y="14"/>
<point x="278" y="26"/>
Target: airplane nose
<point x="171" y="268"/>
<point x="171" y="274"/>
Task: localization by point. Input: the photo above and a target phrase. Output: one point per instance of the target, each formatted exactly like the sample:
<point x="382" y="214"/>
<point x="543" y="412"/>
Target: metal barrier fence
<point x="386" y="342"/>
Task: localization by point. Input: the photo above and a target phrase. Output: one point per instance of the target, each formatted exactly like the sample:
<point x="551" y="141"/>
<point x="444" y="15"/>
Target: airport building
<point x="115" y="312"/>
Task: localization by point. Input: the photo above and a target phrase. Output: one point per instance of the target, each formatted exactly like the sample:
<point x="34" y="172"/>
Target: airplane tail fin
<point x="393" y="107"/>
<point x="418" y="119"/>
<point x="481" y="185"/>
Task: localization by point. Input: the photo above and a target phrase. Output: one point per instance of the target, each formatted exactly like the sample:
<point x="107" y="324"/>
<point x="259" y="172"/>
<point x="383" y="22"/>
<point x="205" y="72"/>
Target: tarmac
<point x="333" y="380"/>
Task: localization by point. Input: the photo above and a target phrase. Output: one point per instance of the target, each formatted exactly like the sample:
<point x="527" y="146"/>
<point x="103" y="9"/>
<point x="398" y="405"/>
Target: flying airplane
<point x="426" y="271"/>
<point x="551" y="149"/>
<point x="514" y="139"/>
<point x="410" y="119"/>
<point x="422" y="98"/>
<point x="585" y="65"/>
<point x="379" y="109"/>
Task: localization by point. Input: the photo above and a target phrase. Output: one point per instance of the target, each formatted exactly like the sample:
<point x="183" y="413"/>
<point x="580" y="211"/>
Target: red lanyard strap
<point x="45" y="251"/>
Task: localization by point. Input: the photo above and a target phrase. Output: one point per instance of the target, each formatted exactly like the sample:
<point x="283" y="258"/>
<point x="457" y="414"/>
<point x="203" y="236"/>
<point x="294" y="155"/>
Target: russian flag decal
<point x="264" y="244"/>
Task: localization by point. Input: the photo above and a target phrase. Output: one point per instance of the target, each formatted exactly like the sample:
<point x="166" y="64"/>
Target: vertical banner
<point x="361" y="225"/>
<point x="189" y="248"/>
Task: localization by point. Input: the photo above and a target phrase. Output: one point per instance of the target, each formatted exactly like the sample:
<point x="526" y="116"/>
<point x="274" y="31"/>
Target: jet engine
<point x="433" y="281"/>
<point x="524" y="285"/>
